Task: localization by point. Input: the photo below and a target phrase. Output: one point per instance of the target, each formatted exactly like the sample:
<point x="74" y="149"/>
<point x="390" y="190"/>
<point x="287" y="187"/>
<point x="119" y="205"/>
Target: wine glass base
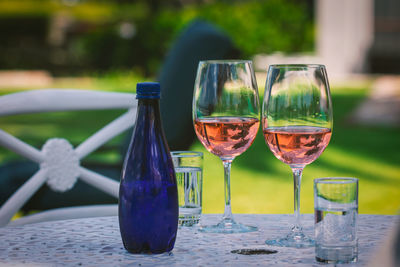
<point x="227" y="226"/>
<point x="294" y="240"/>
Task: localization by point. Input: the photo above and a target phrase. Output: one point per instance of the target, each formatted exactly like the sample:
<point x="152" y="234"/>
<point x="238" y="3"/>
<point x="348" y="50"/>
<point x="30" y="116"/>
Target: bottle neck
<point x="148" y="102"/>
<point x="148" y="122"/>
<point x="149" y="110"/>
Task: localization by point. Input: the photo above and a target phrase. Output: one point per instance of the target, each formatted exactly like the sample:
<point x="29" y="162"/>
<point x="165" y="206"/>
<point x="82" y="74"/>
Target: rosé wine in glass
<point x="297" y="144"/>
<point x="226" y="136"/>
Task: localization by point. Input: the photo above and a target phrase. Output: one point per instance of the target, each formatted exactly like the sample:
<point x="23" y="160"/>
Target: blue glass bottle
<point x="148" y="197"/>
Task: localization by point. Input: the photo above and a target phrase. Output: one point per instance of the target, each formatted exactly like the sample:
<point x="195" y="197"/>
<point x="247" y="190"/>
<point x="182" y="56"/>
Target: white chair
<point x="59" y="162"/>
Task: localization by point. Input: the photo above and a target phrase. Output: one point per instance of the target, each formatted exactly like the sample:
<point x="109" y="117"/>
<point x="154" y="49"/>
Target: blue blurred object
<point x="199" y="41"/>
<point x="148" y="196"/>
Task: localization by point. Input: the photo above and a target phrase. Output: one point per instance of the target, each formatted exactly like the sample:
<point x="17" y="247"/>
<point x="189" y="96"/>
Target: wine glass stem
<point x="227" y="183"/>
<point x="297" y="172"/>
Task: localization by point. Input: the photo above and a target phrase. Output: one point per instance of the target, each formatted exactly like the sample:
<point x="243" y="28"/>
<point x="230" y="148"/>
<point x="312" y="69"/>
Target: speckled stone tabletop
<point x="97" y="242"/>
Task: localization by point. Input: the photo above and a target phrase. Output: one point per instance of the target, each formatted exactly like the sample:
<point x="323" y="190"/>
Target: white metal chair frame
<point x="59" y="162"/>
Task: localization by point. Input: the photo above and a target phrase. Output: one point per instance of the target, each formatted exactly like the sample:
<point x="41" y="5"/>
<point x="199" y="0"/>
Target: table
<point x="97" y="242"/>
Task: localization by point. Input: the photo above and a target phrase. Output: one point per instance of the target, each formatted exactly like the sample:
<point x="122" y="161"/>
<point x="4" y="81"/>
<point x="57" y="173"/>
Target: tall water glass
<point x="226" y="120"/>
<point x="336" y="209"/>
<point x="189" y="178"/>
<point x="297" y="124"/>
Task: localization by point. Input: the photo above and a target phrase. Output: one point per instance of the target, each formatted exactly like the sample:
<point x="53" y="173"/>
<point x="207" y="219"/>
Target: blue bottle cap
<point x="148" y="90"/>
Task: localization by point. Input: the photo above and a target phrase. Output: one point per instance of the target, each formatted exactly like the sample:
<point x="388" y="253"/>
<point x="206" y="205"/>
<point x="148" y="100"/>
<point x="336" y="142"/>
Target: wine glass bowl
<point x="226" y="137"/>
<point x="297" y="145"/>
<point x="297" y="126"/>
<point x="226" y="120"/>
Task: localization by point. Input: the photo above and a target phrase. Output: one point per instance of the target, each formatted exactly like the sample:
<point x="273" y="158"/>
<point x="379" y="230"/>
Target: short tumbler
<point x="189" y="176"/>
<point x="336" y="209"/>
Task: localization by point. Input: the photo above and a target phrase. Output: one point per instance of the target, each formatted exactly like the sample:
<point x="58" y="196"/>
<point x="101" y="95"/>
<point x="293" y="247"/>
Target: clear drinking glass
<point x="189" y="178"/>
<point x="336" y="209"/>
<point x="226" y="120"/>
<point x="297" y="124"/>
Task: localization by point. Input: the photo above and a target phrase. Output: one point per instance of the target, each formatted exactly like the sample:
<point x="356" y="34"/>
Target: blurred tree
<point x="74" y="36"/>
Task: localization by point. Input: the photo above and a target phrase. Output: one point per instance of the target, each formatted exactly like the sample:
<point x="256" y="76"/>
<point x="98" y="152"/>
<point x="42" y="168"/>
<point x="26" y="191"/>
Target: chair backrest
<point x="59" y="161"/>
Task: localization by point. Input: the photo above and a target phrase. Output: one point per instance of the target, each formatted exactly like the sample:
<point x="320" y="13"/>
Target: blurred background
<point x="111" y="45"/>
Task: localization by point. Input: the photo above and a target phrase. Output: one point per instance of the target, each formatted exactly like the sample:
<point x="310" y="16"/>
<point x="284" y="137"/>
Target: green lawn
<point x="260" y="183"/>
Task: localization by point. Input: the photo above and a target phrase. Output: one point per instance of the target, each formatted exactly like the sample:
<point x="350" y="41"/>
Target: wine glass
<point x="226" y="121"/>
<point x="297" y="124"/>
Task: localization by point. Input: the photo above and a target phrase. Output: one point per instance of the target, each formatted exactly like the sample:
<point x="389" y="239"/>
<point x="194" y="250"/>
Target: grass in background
<point x="260" y="183"/>
<point x="116" y="81"/>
